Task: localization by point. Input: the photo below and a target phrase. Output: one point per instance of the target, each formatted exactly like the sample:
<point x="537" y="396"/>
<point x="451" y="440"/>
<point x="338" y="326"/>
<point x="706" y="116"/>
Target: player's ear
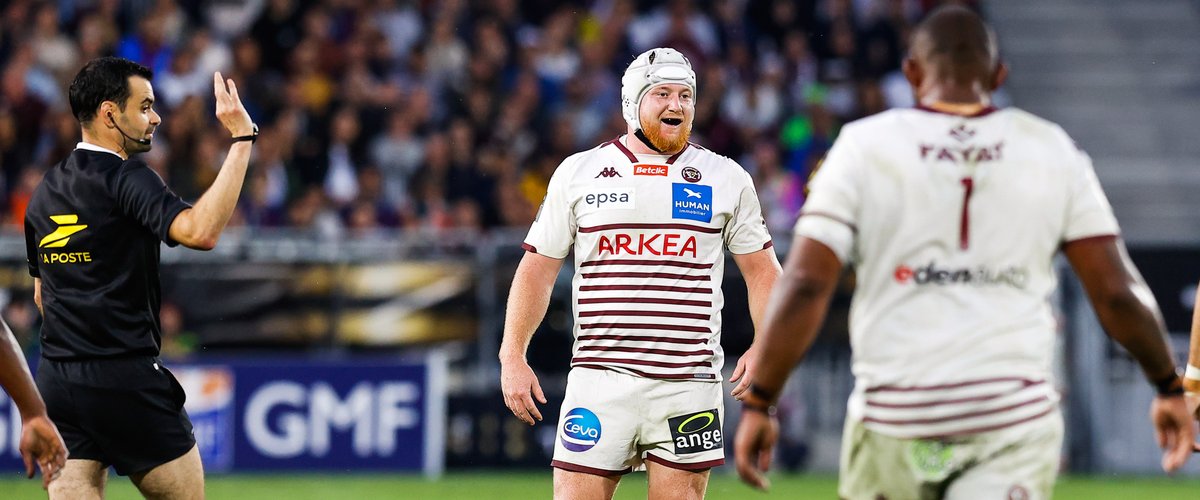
<point x="913" y="72"/>
<point x="107" y="113"/>
<point x="999" y="75"/>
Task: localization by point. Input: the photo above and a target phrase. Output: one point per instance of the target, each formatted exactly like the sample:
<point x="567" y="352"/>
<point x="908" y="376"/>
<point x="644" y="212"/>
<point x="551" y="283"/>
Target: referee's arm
<point x="200" y="227"/>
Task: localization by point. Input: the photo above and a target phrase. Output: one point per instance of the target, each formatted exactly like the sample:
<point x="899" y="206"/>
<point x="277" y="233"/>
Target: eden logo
<point x="691" y="201"/>
<point x="641" y="169"/>
<point x="607" y="172"/>
<point x="67" y="225"/>
<point x="696" y="432"/>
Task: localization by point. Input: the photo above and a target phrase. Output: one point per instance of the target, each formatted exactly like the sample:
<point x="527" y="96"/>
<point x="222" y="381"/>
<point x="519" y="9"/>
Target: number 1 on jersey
<point x="964" y="223"/>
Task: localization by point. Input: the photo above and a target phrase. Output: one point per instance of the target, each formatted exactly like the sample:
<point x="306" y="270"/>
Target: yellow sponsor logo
<point x="684" y="428"/>
<point x="66" y="257"/>
<point x="67" y="225"/>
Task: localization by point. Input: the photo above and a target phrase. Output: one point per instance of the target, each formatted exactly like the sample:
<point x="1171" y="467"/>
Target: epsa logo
<point x="931" y="274"/>
<point x="696" y="432"/>
<point x="609" y="199"/>
<point x="580" y="430"/>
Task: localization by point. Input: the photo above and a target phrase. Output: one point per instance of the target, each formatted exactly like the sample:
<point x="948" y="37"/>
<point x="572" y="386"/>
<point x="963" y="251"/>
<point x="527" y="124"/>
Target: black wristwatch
<point x="252" y="137"/>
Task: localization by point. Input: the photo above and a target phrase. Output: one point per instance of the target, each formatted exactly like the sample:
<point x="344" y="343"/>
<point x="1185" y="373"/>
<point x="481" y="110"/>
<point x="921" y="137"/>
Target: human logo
<point x="696" y="432"/>
<point x="68" y="225"/>
<point x="690" y="174"/>
<point x="691" y="201"/>
<point x="608" y="172"/>
<point x="580" y="430"/>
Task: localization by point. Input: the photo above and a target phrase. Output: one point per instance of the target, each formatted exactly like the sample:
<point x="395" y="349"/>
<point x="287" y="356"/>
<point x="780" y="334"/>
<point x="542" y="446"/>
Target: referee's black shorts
<point x="125" y="412"/>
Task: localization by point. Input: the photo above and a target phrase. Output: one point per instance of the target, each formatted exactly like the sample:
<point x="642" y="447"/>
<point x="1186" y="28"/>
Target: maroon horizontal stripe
<point x="645" y="326"/>
<point x="645" y="300"/>
<point x="643" y="262"/>
<point x="661" y="376"/>
<point x="684" y="277"/>
<point x="642" y="362"/>
<point x="559" y="464"/>
<point x="832" y="218"/>
<point x="645" y="350"/>
<point x="650" y="225"/>
<point x="529" y="248"/>
<point x="1025" y="383"/>
<point x="926" y="404"/>
<point x="768" y="244"/>
<point x="694" y="466"/>
<point x="642" y="338"/>
<point x="656" y="288"/>
<point x="659" y="314"/>
<point x="961" y="416"/>
<point x="993" y="427"/>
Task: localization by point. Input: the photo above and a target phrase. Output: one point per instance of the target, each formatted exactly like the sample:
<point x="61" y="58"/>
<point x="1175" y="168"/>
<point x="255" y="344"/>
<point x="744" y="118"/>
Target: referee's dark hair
<point x="103" y="79"/>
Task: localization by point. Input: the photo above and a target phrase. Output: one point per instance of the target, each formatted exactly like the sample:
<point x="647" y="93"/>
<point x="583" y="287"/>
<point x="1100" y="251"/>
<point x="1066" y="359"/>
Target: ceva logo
<point x="580" y="430"/>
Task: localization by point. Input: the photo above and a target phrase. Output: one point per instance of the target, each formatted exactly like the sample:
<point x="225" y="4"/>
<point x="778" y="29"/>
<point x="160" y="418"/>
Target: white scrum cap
<point x="652" y="67"/>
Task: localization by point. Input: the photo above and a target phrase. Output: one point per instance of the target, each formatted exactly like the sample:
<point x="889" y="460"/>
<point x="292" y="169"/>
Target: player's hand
<point x="753" y="446"/>
<point x="1173" y="428"/>
<point x="230" y="110"/>
<point x="520" y="387"/>
<point x="1192" y="400"/>
<point x="742" y="372"/>
<point x="41" y="443"/>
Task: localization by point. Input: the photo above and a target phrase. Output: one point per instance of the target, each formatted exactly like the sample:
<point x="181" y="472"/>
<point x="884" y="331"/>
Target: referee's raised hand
<point x="230" y="110"/>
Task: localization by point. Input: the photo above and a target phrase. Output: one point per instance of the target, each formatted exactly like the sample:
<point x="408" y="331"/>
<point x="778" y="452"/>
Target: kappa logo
<point x="962" y="133"/>
<point x="690" y="174"/>
<point x="641" y="169"/>
<point x="608" y="172"/>
<point x="67" y="226"/>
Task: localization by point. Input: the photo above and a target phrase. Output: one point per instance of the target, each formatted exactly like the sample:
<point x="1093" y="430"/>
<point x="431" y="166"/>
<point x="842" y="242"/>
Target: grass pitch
<point x="534" y="485"/>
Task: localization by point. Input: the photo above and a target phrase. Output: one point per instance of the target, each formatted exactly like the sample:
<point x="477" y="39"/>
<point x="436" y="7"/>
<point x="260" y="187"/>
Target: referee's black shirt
<point x="92" y="233"/>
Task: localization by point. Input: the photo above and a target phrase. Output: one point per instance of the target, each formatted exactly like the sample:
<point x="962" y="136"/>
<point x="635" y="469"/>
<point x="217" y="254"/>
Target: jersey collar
<point x="633" y="159"/>
<point x="92" y="147"/>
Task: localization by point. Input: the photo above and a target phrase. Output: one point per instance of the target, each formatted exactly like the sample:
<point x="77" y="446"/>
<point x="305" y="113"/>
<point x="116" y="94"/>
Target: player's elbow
<point x="203" y="242"/>
<point x="810" y="286"/>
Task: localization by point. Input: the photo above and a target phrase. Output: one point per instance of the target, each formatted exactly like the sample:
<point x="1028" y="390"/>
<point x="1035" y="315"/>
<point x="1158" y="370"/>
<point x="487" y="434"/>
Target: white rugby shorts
<point x="611" y="422"/>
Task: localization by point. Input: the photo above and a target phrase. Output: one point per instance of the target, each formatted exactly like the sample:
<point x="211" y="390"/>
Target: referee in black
<point x="92" y="233"/>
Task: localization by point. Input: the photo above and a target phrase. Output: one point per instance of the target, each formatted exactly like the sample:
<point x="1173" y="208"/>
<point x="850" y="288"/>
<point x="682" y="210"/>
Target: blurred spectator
<point x="435" y="115"/>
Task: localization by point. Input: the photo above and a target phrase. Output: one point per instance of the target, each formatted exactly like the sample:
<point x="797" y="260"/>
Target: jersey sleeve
<point x="143" y="195"/>
<point x="830" y="214"/>
<point x="31" y="253"/>
<point x="746" y="231"/>
<point x="1088" y="211"/>
<point x="553" y="230"/>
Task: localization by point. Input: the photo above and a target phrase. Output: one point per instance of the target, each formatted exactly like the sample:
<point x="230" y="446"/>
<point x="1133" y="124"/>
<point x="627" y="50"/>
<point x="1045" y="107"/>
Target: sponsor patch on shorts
<point x="696" y="432"/>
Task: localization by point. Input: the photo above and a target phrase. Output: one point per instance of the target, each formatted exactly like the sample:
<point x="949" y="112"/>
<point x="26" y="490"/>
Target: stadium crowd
<point x="444" y="114"/>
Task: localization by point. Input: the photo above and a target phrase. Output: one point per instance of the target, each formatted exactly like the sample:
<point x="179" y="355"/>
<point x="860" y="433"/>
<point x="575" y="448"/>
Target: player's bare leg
<point x="580" y="486"/>
<point x="675" y="484"/>
<point x="79" y="479"/>
<point x="179" y="479"/>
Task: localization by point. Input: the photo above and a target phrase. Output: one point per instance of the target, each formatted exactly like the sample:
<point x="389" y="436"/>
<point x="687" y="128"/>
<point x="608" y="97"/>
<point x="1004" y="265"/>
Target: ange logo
<point x="67" y="226"/>
<point x="696" y="432"/>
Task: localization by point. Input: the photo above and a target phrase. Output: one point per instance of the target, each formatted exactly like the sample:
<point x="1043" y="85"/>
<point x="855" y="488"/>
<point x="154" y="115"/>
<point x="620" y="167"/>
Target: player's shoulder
<point x="1034" y="126"/>
<point x="601" y="153"/>
<point x="709" y="159"/>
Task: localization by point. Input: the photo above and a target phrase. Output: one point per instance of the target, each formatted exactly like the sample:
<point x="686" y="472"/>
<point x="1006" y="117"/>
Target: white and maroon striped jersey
<point x="952" y="224"/>
<point x="649" y="234"/>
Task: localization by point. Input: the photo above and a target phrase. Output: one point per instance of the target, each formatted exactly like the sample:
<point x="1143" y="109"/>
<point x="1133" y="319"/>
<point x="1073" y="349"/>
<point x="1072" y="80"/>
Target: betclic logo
<point x="931" y="274"/>
<point x="68" y="225"/>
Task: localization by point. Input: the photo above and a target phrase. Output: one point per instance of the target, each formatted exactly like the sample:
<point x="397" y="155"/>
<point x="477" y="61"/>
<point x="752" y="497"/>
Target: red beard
<point x="664" y="143"/>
